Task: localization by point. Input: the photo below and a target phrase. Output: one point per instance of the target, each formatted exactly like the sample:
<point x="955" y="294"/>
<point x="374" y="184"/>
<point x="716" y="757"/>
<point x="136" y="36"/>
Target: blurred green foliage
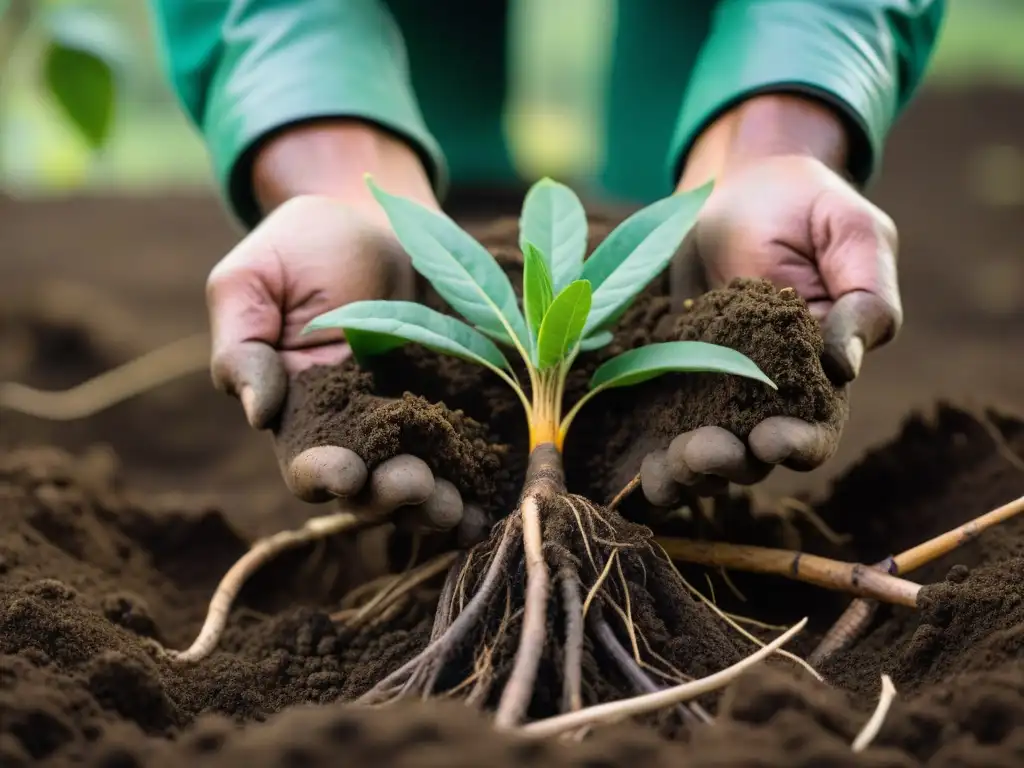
<point x="78" y="68"/>
<point x="114" y="123"/>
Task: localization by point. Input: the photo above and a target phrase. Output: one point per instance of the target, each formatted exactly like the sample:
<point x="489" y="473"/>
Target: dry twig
<point x="823" y="572"/>
<point x="136" y="377"/>
<point x="856" y="617"/>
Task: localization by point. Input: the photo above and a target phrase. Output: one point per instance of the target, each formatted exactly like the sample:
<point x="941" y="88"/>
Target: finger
<point x="656" y="480"/>
<point x="794" y="443"/>
<point x="245" y="325"/>
<point x="324" y="472"/>
<point x="714" y="451"/>
<point x="401" y="481"/>
<point x="442" y="510"/>
<point x="857" y="322"/>
<point x="474" y="527"/>
<point x="663" y="490"/>
<point x="252" y="371"/>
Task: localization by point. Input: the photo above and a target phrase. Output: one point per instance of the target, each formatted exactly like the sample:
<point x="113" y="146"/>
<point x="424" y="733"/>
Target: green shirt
<point x="435" y="72"/>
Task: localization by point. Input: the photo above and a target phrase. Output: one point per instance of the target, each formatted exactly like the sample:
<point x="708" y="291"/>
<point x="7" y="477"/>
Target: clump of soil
<point x="373" y="411"/>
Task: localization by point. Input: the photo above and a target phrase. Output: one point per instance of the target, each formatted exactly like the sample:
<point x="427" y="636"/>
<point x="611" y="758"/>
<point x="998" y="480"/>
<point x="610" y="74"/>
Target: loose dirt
<point x="103" y="551"/>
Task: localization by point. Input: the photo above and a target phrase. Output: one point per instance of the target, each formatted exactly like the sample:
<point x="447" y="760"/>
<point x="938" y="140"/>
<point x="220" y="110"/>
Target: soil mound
<point x="92" y="573"/>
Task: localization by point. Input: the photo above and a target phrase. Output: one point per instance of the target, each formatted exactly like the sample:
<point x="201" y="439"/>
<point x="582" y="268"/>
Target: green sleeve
<point x="865" y="57"/>
<point x="243" y="69"/>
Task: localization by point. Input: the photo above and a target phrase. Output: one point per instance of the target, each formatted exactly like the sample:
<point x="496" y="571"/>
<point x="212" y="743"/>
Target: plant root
<point x="569" y="571"/>
<point x="134" y="378"/>
<point x="855" y="619"/>
<point x="258" y="555"/>
<point x="855" y="578"/>
<point x="394" y="591"/>
<point x="735" y="622"/>
<point x="519" y="690"/>
<point x="624" y="493"/>
<point x="420" y="667"/>
<point x="572" y="693"/>
<point x="639" y="705"/>
<point x="632" y="671"/>
<point x="877" y="719"/>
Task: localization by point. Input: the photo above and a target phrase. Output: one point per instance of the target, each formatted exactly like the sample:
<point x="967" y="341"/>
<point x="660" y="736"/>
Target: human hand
<point x="793" y="220"/>
<point x="310" y="254"/>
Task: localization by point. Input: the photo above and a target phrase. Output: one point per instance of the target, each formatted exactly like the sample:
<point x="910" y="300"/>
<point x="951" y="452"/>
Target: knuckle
<point x="220" y="277"/>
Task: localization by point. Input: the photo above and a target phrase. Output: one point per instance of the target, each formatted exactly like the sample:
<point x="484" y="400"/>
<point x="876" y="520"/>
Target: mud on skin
<point x="470" y="428"/>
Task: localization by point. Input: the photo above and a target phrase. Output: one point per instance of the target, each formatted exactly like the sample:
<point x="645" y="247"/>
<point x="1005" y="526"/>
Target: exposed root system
<point x="504" y="588"/>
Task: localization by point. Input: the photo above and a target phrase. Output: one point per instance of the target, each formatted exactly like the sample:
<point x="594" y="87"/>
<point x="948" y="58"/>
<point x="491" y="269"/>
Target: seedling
<point x="569" y="305"/>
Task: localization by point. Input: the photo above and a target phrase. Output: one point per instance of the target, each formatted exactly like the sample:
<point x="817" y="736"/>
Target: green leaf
<point x="553" y="220"/>
<point x="641" y="254"/>
<point x="538" y="292"/>
<point x="563" y="324"/>
<point x="461" y="270"/>
<point x="598" y="340"/>
<point x="78" y="69"/>
<point x="649" y="362"/>
<point x="375" y="327"/>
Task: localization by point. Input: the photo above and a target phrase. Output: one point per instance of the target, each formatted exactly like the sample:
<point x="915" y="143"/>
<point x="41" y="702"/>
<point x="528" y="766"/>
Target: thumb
<point x="245" y="323"/>
<point x="859" y="321"/>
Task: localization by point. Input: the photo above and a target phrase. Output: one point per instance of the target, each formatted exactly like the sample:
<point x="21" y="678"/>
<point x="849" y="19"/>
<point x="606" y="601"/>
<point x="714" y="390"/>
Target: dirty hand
<point x="310" y="254"/>
<point x="788" y="217"/>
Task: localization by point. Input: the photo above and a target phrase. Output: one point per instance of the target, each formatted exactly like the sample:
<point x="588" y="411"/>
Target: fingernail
<point x="248" y="397"/>
<point x="853" y="350"/>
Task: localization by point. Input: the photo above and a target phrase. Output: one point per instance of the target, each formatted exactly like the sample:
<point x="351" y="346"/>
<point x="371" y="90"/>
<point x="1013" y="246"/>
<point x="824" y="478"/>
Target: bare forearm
<point x="331" y="158"/>
<point x="764" y="126"/>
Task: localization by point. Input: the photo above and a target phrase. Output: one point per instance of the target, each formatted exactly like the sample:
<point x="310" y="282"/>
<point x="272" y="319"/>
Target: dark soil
<point x="102" y="552"/>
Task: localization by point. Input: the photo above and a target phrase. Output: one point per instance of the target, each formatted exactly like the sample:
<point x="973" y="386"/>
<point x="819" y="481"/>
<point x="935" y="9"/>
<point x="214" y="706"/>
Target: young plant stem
<point x="545" y="479"/>
<point x="563" y="427"/>
<point x="546" y="410"/>
<point x="831" y="574"/>
<point x="856" y="617"/>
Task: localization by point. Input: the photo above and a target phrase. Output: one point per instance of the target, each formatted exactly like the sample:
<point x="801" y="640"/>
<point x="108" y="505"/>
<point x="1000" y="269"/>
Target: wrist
<point x="331" y="158"/>
<point x="770" y="125"/>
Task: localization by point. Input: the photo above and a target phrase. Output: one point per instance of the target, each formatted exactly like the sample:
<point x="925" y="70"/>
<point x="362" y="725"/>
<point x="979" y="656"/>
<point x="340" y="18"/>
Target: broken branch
<point x="856" y="617"/>
<point x="831" y="574"/>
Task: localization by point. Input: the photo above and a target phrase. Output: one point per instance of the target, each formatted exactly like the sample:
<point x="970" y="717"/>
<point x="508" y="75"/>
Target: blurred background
<point x="103" y="255"/>
<point x="558" y="48"/>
